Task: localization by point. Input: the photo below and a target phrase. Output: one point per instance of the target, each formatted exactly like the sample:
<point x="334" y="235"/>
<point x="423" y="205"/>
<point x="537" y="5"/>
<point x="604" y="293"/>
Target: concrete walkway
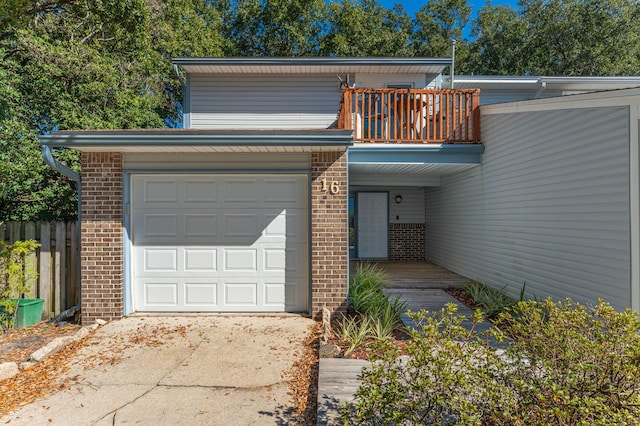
<point x="421" y="285"/>
<point x="183" y="370"/>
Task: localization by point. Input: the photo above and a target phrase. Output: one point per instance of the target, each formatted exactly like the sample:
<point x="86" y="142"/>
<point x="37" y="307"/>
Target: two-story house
<point x="288" y="167"/>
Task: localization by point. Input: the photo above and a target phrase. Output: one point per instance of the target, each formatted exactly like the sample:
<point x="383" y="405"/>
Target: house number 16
<point x="332" y="187"/>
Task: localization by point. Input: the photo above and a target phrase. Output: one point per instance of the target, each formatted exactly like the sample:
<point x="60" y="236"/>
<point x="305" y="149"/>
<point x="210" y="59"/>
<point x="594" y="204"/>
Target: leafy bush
<point x="566" y="365"/>
<point x="366" y="288"/>
<point x="15" y="276"/>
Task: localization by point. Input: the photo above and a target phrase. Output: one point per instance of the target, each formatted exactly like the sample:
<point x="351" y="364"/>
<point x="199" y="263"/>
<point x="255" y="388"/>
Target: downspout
<point x="453" y="60"/>
<point x="543" y="86"/>
<point x="180" y="78"/>
<point x="47" y="156"/>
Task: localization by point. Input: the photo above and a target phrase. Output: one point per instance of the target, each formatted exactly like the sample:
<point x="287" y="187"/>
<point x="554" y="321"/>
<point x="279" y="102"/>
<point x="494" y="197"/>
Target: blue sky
<point x="411" y="6"/>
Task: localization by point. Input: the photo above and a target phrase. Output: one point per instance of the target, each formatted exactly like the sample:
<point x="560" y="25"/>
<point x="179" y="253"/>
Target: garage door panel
<point x="200" y="259"/>
<point x="213" y="250"/>
<point x="201" y="293"/>
<point x="160" y="191"/>
<point x="160" y="225"/>
<point x="238" y="224"/>
<point x="241" y="294"/>
<point x="274" y="294"/>
<point x="160" y="260"/>
<point x="239" y="190"/>
<point x="160" y="293"/>
<point x="240" y="259"/>
<point x="285" y="192"/>
<point x="288" y="223"/>
<point x="197" y="191"/>
<point x="200" y="225"/>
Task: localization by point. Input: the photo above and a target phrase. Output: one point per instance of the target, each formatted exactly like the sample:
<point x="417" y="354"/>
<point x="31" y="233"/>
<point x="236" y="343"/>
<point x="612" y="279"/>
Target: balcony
<point x="411" y="115"/>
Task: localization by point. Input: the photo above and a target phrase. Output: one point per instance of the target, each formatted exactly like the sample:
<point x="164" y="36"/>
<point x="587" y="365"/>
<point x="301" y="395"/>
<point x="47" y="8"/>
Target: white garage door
<point x="220" y="243"/>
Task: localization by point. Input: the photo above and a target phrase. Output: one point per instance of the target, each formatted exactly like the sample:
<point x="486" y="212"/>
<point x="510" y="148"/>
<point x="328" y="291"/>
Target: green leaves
<point x="366" y="28"/>
<point x="558" y="37"/>
<point x="565" y="365"/>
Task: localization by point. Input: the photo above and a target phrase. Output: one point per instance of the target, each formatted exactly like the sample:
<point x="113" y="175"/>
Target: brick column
<point x="101" y="253"/>
<point x="329" y="250"/>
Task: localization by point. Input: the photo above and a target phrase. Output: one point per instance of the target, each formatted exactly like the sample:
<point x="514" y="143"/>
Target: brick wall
<point x="329" y="251"/>
<point x="101" y="255"/>
<point x="406" y="241"/>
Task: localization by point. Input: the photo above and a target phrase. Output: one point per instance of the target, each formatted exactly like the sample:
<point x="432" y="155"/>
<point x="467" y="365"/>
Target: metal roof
<point x="312" y="65"/>
<point x="533" y="82"/>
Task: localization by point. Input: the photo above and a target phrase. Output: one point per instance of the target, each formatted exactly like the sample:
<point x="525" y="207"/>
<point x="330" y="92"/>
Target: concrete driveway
<point x="195" y="370"/>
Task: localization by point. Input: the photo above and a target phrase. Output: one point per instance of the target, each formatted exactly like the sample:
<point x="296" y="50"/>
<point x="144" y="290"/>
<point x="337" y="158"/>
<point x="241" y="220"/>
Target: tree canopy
<point x="105" y="64"/>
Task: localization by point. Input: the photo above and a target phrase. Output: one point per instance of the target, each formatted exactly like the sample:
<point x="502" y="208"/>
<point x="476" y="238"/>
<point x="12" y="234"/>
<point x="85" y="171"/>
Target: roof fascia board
<point x="417" y="154"/>
<point x="567" y="83"/>
<point x="616" y="97"/>
<point x="153" y="138"/>
<point x="312" y="61"/>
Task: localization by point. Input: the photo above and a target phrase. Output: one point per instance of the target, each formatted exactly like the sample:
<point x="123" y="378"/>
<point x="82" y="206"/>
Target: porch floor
<point x="417" y="275"/>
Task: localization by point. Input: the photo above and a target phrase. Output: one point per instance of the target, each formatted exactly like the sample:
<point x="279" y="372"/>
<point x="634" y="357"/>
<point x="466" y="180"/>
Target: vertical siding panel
<point x="31" y="261"/>
<point x="44" y="288"/>
<point x="60" y="251"/>
<point x="14" y="232"/>
<point x="549" y="206"/>
<point x="73" y="274"/>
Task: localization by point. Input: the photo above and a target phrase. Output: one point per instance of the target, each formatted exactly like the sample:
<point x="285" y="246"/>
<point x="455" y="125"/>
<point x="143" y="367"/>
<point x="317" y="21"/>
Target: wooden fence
<point x="57" y="261"/>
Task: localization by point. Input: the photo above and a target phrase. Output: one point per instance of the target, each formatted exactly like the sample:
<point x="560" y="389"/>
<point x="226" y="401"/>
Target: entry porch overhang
<point x="202" y="141"/>
<point x="410" y="165"/>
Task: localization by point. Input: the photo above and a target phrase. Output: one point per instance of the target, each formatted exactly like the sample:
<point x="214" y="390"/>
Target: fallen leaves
<point x="37" y="381"/>
<point x="17" y="344"/>
<point x="302" y="378"/>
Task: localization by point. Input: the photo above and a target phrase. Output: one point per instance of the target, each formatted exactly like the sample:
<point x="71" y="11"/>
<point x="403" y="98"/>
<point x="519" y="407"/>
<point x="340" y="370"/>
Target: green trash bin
<point x="29" y="312"/>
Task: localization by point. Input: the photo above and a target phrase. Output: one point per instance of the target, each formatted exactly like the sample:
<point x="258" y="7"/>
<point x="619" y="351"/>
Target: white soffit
<point x="404" y="169"/>
<point x="313" y="65"/>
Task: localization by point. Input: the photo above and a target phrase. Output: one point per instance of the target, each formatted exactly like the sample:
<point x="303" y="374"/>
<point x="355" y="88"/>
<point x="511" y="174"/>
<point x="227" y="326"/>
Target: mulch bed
<point x="463" y="298"/>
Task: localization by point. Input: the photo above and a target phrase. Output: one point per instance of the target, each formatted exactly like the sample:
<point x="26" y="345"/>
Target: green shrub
<point x="492" y="301"/>
<point x="15" y="276"/>
<point x="373" y="315"/>
<point x="366" y="288"/>
<point x="355" y="331"/>
<point x="566" y="365"/>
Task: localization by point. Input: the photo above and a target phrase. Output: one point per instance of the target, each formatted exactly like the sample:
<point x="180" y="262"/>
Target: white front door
<point x="220" y="243"/>
<point x="372" y="225"/>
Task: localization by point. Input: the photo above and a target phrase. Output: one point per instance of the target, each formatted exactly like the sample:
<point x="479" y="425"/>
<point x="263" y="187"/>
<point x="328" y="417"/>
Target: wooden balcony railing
<point x="411" y="115"/>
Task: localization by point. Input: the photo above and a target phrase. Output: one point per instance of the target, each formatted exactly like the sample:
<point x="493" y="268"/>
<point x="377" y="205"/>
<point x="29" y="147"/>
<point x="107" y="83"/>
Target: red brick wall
<point x="329" y="251"/>
<point x="406" y="241"/>
<point x="101" y="255"/>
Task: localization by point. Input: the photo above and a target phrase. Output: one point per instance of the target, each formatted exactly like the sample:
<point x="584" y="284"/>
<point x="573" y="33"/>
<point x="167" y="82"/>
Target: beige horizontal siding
<point x="263" y="101"/>
<point x="549" y="206"/>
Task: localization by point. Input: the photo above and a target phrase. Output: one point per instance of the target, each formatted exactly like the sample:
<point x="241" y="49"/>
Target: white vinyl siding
<point x="215" y="161"/>
<point x="410" y="210"/>
<point x="549" y="206"/>
<point x="263" y="101"/>
<point x="417" y="81"/>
